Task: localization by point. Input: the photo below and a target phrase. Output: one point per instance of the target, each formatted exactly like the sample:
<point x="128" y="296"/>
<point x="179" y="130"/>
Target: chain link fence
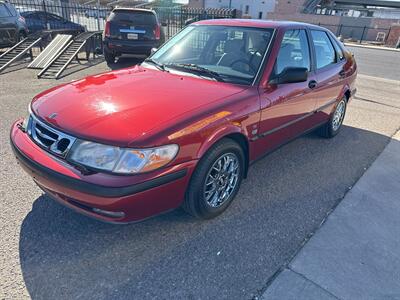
<point x="57" y="14"/>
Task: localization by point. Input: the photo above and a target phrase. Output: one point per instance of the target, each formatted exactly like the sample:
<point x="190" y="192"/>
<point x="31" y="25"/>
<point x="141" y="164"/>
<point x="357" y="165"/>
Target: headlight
<point x="121" y="160"/>
<point x="25" y="124"/>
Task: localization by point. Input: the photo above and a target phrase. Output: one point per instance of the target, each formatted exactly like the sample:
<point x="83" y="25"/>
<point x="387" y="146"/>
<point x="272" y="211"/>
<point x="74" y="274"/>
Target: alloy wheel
<point x="338" y="115"/>
<point x="221" y="179"/>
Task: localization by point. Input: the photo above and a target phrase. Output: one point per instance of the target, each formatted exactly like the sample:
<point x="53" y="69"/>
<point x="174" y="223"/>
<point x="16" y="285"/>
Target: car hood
<point x="119" y="106"/>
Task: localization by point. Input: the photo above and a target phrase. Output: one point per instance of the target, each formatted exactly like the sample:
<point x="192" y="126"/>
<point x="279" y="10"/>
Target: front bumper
<point x="126" y="198"/>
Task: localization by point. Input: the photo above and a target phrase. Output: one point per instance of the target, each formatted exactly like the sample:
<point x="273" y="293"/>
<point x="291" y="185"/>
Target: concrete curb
<point x="354" y="254"/>
<point x="371" y="47"/>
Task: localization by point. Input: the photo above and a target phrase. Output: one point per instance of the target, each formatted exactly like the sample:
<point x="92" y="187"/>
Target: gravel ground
<point x="48" y="251"/>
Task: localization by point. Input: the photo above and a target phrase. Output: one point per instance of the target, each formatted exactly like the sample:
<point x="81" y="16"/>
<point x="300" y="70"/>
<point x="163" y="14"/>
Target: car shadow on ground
<point x="66" y="255"/>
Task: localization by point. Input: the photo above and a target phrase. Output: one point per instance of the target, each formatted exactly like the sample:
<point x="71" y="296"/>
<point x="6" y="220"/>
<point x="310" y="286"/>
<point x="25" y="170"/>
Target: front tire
<point x="216" y="180"/>
<point x="333" y="126"/>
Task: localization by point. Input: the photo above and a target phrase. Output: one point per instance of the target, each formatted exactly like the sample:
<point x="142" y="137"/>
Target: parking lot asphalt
<point x="48" y="251"/>
<point x="378" y="63"/>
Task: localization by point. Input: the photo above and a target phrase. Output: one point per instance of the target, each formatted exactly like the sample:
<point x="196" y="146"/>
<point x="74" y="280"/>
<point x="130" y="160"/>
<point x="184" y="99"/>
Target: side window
<point x="324" y="52"/>
<point x="41" y="16"/>
<point x="4" y="11"/>
<point x="294" y="51"/>
<point x="338" y="49"/>
<point x="52" y="17"/>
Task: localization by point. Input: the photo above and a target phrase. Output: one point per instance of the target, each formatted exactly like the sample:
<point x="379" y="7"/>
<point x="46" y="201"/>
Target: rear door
<point x="133" y="25"/>
<point x="329" y="69"/>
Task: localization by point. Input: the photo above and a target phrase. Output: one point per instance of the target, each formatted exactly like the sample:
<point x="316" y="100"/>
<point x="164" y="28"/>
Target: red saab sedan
<point x="182" y="128"/>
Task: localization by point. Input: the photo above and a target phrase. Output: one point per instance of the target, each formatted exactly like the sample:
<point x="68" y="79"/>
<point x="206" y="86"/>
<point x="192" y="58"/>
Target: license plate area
<point x="132" y="36"/>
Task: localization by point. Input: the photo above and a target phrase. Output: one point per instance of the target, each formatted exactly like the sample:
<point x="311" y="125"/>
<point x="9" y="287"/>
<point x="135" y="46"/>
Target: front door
<point x="289" y="103"/>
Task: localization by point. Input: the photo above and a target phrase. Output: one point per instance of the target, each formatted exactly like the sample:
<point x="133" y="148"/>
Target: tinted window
<point x="54" y="18"/>
<point x="294" y="51"/>
<point x="324" y="51"/>
<point x="132" y="18"/>
<point x="4" y="11"/>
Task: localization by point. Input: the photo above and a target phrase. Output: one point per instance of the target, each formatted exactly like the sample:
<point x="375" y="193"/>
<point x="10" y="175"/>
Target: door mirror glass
<point x="291" y="75"/>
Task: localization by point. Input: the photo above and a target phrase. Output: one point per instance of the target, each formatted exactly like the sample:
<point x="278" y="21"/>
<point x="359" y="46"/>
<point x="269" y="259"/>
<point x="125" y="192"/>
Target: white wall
<point x="387" y="13"/>
<point x="255" y="6"/>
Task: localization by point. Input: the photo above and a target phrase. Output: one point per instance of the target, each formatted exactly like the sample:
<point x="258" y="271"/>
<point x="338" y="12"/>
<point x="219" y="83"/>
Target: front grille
<point x="50" y="139"/>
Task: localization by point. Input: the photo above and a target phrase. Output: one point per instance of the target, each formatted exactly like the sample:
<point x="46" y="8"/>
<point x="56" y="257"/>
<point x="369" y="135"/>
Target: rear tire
<point x="109" y="57"/>
<point x="21" y="36"/>
<point x="210" y="191"/>
<point x="333" y="126"/>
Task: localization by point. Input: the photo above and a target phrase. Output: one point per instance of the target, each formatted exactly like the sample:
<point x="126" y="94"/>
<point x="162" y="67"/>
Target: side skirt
<point x="287" y="142"/>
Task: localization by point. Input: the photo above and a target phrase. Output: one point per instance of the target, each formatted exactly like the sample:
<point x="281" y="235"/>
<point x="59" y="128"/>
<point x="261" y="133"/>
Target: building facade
<point x="255" y="9"/>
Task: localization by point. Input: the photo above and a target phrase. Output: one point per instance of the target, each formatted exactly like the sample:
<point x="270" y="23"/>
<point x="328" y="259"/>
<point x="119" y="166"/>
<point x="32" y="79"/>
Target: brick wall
<point x="288" y="6"/>
<point x="380" y="25"/>
<point x="394" y="36"/>
<point x="196" y="3"/>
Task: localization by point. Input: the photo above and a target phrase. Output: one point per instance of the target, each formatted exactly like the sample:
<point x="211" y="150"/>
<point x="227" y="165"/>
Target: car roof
<point x="31" y="12"/>
<point x="256" y="23"/>
<point x="133" y="9"/>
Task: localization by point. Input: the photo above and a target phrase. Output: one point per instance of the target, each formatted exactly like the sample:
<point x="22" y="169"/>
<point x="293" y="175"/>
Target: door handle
<point x="312" y="84"/>
<point x="342" y="74"/>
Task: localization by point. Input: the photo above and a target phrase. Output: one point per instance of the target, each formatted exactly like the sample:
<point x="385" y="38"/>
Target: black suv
<point x="131" y="31"/>
<point x="12" y="25"/>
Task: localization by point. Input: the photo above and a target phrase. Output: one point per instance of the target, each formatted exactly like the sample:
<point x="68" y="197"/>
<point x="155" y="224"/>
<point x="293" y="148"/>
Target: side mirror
<point x="291" y="75"/>
<point x="153" y="50"/>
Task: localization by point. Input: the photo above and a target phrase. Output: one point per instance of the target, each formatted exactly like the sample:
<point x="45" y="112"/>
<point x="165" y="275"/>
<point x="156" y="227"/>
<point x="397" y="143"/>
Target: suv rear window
<point x="132" y="17"/>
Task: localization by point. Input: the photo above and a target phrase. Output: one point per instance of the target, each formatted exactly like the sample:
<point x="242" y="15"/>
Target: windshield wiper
<point x="156" y="63"/>
<point x="197" y="69"/>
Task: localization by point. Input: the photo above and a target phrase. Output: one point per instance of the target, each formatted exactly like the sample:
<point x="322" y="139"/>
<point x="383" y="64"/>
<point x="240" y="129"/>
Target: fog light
<point x="111" y="214"/>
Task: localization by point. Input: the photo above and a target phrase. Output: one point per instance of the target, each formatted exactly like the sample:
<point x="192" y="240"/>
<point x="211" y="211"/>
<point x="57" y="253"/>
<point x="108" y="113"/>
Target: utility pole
<point x="230" y="4"/>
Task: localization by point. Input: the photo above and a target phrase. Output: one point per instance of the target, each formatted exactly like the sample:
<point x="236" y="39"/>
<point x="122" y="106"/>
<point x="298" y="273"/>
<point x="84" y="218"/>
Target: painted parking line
<point x="380" y="79"/>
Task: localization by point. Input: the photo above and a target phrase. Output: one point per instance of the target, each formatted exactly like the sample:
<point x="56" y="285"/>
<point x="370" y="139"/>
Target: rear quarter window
<point x="133" y="17"/>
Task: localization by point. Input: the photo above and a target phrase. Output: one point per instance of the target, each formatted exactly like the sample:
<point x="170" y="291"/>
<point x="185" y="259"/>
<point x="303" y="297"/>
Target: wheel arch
<point x="234" y="133"/>
<point x="346" y="92"/>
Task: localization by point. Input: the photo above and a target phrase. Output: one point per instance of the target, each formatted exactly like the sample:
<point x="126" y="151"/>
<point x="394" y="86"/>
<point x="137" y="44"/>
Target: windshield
<point x="223" y="53"/>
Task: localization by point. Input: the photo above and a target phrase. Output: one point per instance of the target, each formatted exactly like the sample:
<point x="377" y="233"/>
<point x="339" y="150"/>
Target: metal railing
<point x="176" y="18"/>
<point x="59" y="14"/>
<point x="360" y="34"/>
<point x="63" y="14"/>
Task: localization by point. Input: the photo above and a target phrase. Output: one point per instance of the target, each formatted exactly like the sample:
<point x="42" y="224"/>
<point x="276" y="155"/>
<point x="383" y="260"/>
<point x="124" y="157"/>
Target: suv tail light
<point x="157" y="32"/>
<point x="106" y="32"/>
